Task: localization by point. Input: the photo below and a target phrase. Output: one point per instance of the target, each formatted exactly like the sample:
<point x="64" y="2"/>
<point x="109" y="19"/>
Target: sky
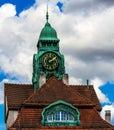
<point x="86" y="32"/>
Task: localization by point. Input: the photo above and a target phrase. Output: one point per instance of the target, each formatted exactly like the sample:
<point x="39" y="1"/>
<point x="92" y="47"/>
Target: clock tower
<point x="48" y="61"/>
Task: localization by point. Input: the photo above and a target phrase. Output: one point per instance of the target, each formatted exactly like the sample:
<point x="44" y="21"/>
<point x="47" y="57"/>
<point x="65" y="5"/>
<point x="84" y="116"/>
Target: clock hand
<point x="52" y="59"/>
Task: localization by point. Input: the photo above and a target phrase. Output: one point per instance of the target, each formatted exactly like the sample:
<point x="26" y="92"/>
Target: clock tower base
<point x="42" y="79"/>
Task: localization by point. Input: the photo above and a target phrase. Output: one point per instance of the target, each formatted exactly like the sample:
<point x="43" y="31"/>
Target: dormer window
<point x="60" y="114"/>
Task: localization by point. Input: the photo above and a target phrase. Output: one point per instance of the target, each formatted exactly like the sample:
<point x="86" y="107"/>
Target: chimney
<point x="87" y="83"/>
<point x="65" y="79"/>
<point x="42" y="80"/>
<point x="108" y="116"/>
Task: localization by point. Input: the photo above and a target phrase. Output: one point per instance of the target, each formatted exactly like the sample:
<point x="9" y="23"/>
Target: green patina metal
<point x="60" y="106"/>
<point x="38" y="68"/>
<point x="48" y="34"/>
<point x="48" y="43"/>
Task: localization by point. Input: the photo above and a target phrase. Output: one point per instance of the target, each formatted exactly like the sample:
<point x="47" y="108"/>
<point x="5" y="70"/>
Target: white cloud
<point x="6" y="11"/>
<point x="50" y="2"/>
<point x="97" y="83"/>
<point x="86" y="7"/>
<point x="74" y="80"/>
<point x="90" y="43"/>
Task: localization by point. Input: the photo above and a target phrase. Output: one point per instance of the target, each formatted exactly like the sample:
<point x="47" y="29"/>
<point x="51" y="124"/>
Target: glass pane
<point x="57" y="116"/>
<point x="50" y="117"/>
<point x="63" y="115"/>
<point x="70" y="117"/>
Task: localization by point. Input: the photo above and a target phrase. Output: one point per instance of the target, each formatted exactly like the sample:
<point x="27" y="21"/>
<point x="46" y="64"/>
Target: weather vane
<point x="47" y="15"/>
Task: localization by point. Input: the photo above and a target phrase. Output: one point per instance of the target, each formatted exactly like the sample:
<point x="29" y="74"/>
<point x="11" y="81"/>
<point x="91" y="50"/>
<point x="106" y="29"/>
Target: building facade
<point x="50" y="102"/>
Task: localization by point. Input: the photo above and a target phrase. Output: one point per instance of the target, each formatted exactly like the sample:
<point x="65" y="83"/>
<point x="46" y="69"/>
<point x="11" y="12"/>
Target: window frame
<point x="62" y="117"/>
<point x="60" y="106"/>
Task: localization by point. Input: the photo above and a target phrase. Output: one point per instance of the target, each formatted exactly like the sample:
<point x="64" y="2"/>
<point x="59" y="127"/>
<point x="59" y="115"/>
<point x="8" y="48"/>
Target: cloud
<point x="86" y="7"/>
<point x="74" y="80"/>
<point x="97" y="84"/>
<point x="15" y="46"/>
<point x="7" y="10"/>
<point x="89" y="43"/>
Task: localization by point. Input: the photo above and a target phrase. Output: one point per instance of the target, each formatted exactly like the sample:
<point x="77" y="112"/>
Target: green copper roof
<point x="48" y="33"/>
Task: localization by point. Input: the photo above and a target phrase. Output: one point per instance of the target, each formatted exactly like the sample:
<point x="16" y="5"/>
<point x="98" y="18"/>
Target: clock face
<point x="50" y="61"/>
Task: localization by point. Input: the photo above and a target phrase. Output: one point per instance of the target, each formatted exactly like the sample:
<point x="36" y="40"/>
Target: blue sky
<point x="85" y="29"/>
<point x="20" y="5"/>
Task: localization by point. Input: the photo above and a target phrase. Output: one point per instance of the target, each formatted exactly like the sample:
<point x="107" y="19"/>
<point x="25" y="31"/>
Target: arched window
<point x="60" y="114"/>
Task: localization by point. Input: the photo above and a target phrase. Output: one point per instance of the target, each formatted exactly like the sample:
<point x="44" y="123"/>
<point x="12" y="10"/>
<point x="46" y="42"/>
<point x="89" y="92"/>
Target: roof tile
<point x="55" y="90"/>
<point x="17" y="93"/>
<point x="89" y="93"/>
<point x="31" y="118"/>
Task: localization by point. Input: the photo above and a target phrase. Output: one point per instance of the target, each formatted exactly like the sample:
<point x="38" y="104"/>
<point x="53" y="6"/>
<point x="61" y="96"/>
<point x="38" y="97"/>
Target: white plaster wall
<point x="11" y="118"/>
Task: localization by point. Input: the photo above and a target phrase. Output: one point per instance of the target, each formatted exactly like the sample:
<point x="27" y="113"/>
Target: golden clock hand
<point x="52" y="59"/>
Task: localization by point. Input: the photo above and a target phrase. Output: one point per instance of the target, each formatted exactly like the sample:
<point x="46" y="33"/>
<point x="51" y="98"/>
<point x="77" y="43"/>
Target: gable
<point x="55" y="90"/>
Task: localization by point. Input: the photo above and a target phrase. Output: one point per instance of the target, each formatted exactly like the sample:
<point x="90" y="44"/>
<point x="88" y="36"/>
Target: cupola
<point x="48" y="34"/>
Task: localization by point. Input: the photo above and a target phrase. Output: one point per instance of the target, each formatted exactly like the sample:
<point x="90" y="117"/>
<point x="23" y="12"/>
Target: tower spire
<point x="47" y="15"/>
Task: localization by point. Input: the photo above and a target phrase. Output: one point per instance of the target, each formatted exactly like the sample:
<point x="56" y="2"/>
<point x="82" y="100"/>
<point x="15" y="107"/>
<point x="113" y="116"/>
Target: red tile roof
<point x="32" y="104"/>
<point x="89" y="93"/>
<point x="22" y="92"/>
<point x="17" y="93"/>
<point x="55" y="90"/>
<point x="31" y="118"/>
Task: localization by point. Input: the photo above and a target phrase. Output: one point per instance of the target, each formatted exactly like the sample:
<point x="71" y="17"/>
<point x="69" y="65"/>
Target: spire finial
<point x="47" y="16"/>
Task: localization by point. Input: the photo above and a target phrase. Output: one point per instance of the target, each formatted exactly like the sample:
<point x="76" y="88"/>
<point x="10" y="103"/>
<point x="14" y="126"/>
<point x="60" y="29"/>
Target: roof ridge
<point x="49" y="89"/>
<point x="17" y="84"/>
<point x="83" y="85"/>
<point x="28" y="98"/>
